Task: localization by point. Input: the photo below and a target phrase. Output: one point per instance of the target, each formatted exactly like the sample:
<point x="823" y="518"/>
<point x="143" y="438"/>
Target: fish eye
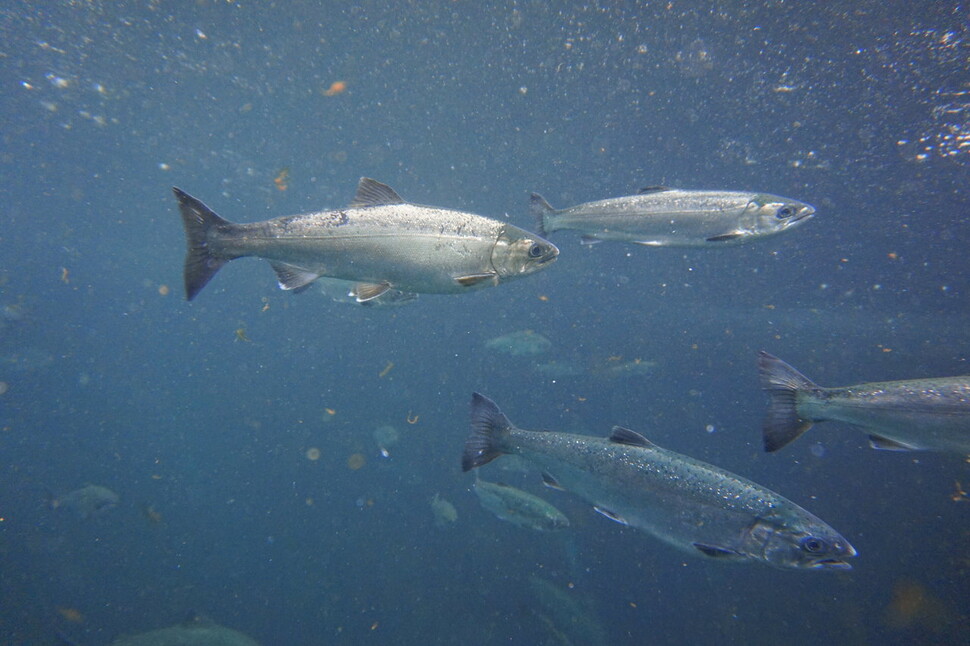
<point x="813" y="545"/>
<point x="536" y="250"/>
<point x="784" y="212"/>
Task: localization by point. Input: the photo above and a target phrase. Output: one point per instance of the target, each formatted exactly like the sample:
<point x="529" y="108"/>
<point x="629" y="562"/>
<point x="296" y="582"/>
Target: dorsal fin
<point x="370" y="192"/>
<point x="653" y="189"/>
<point x="622" y="435"/>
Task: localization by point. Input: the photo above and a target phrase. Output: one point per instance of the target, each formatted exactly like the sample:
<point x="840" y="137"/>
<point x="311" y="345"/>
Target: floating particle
<point x="337" y="87"/>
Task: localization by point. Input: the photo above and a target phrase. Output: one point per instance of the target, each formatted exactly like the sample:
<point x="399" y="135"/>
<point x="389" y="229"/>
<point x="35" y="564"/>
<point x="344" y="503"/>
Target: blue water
<point x="200" y="415"/>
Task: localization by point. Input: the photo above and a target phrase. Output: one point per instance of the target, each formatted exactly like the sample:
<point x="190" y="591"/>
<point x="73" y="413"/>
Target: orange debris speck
<point x="281" y="179"/>
<point x="163" y="290"/>
<point x="337" y="87"/>
<point x="71" y="614"/>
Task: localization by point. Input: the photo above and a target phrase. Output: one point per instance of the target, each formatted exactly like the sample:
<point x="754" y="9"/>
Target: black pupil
<point x="813" y="545"/>
<point x="785" y="212"/>
<point x="535" y="251"/>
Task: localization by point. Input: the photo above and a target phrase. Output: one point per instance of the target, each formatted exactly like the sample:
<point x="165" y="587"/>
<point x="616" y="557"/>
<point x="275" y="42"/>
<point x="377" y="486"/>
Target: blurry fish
<point x="88" y="501"/>
<point x="444" y="512"/>
<point x="687" y="503"/>
<point x="344" y="291"/>
<point x="197" y="630"/>
<point x="380" y="242"/>
<point x="632" y="368"/>
<point x="519" y="507"/>
<point x="920" y="414"/>
<point x="521" y="343"/>
<point x="568" y="615"/>
<point x="668" y="217"/>
<point x="151" y="514"/>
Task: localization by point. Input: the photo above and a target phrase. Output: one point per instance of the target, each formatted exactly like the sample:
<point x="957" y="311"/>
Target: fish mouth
<point x="803" y="214"/>
<point x="830" y="564"/>
<point x="551" y="255"/>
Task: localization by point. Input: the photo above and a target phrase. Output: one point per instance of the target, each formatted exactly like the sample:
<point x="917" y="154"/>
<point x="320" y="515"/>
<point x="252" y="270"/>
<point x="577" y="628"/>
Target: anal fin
<point x="365" y="292"/>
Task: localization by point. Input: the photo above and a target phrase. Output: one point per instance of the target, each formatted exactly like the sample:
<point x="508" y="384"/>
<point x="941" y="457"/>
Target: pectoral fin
<point x="716" y="552"/>
<point x="291" y="277"/>
<point x="474" y="279"/>
<point x="612" y="515"/>
<point x="885" y="444"/>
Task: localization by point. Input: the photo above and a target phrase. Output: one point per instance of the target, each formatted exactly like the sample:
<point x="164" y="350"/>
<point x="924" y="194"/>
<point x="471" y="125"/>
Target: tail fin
<point x="201" y="264"/>
<point x="540" y="210"/>
<point x="489" y="427"/>
<point x="782" y="424"/>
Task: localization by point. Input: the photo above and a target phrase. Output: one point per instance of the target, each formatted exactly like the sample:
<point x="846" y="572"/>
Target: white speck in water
<point x="710" y="428"/>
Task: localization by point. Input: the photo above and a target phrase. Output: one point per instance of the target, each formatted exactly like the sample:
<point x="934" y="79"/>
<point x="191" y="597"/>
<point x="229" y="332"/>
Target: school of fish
<point x="381" y="250"/>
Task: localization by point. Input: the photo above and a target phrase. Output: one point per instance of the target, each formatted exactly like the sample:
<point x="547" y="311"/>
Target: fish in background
<point x="911" y="415"/>
<point x="196" y="630"/>
<point x="518" y="507"/>
<point x="380" y="242"/>
<point x="692" y="505"/>
<point x="658" y="216"/>
<point x="87" y="502"/>
<point x="519" y="344"/>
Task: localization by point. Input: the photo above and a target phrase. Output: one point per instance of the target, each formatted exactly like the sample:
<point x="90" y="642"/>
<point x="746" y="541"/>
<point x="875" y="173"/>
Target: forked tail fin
<point x="489" y="428"/>
<point x="201" y="263"/>
<point x="782" y="424"/>
<point x="541" y="211"/>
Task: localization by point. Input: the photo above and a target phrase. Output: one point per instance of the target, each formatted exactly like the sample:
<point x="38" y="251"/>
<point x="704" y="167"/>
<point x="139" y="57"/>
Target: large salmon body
<point x="380" y="242"/>
<point x="698" y="507"/>
<point x="670" y="217"/>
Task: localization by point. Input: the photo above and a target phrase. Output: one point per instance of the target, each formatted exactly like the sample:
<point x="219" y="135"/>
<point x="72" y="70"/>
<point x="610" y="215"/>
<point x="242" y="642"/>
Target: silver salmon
<point x="687" y="503"/>
<point x="380" y="242"/>
<point x="918" y="414"/>
<point x="658" y="216"/>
